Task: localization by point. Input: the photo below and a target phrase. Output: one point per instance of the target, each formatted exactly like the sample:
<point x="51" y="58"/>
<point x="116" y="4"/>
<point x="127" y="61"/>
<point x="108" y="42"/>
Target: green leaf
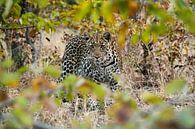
<point x="20" y="100"/>
<point x="70" y="80"/>
<point x="2" y="2"/>
<point x="184" y="13"/>
<point x="159" y="29"/>
<point x="122" y="34"/>
<point x="58" y="101"/>
<point x="175" y="86"/>
<point x="8" y="6"/>
<point x="28" y="18"/>
<point x="16" y="1"/>
<point x="9" y="79"/>
<point x="7" y="63"/>
<point x="70" y="83"/>
<point x="49" y="26"/>
<point x="84" y="10"/>
<point x="35" y="107"/>
<point x="151" y="98"/>
<point x="65" y="21"/>
<point x="135" y="39"/>
<point x="187" y="119"/>
<point x="33" y="2"/>
<point x="43" y="3"/>
<point x="166" y="113"/>
<point x="159" y="12"/>
<point x="22" y="116"/>
<point x="107" y="11"/>
<point x="22" y="70"/>
<point x="52" y="71"/>
<point x="155" y="37"/>
<point x="123" y="8"/>
<point x="146" y="36"/>
<point x="55" y="14"/>
<point x="16" y="9"/>
<point x="99" y="90"/>
<point x="14" y="124"/>
<point x="41" y="23"/>
<point x="95" y="16"/>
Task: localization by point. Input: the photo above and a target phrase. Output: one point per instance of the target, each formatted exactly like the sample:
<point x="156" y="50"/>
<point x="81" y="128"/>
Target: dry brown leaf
<point x="3" y="95"/>
<point x="39" y="84"/>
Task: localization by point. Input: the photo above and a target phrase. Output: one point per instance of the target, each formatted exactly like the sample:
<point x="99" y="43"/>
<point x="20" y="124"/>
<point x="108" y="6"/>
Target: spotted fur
<point x="95" y="58"/>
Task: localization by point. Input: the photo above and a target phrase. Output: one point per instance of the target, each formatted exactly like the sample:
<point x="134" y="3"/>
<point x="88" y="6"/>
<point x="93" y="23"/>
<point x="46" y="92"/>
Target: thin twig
<point x="41" y="45"/>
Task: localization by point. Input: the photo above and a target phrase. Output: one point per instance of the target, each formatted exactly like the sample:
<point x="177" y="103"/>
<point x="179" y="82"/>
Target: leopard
<point x="96" y="58"/>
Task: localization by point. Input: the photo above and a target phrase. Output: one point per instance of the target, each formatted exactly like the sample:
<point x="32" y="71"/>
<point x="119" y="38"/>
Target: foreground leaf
<point x="22" y="116"/>
<point x="175" y="86"/>
<point x="7" y="63"/>
<point x="151" y="98"/>
<point x="9" y="79"/>
<point x="52" y="71"/>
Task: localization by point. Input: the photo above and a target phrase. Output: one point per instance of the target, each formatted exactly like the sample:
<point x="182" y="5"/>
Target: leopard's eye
<point x="107" y="36"/>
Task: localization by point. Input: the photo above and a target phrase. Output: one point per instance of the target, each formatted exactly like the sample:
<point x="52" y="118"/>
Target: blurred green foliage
<point x="175" y="86"/>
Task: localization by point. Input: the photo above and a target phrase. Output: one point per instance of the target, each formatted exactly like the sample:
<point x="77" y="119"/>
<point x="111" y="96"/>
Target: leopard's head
<point x="110" y="52"/>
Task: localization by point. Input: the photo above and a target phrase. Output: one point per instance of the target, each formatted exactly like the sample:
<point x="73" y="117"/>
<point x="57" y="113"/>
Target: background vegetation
<point x="156" y="41"/>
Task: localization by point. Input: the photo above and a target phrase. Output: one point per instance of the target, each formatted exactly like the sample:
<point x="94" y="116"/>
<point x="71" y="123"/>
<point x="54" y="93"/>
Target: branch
<point x="31" y="43"/>
<point x="16" y="28"/>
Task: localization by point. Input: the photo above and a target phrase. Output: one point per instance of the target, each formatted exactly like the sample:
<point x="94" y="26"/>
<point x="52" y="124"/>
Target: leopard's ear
<point x="107" y="36"/>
